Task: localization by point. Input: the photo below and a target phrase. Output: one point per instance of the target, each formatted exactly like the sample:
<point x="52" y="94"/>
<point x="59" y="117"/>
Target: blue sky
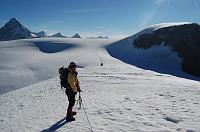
<point x="114" y="18"/>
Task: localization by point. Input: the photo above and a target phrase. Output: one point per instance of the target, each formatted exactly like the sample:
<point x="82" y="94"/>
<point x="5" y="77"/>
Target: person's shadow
<point x="56" y="126"/>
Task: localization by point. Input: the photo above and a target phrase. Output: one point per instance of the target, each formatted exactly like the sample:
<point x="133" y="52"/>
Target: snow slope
<point x="158" y="58"/>
<point x="117" y="96"/>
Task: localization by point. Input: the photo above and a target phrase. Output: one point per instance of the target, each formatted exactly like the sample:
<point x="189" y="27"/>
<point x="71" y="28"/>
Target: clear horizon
<point x="92" y="18"/>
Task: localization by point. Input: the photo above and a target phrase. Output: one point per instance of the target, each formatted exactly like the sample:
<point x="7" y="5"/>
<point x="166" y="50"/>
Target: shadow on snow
<point x="56" y="126"/>
<point x="49" y="47"/>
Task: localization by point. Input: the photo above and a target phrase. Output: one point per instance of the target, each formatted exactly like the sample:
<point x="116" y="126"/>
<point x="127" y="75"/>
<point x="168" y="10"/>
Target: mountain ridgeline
<point x="76" y="36"/>
<point x="182" y="39"/>
<point x="41" y="34"/>
<point x="57" y="35"/>
<point x="14" y="30"/>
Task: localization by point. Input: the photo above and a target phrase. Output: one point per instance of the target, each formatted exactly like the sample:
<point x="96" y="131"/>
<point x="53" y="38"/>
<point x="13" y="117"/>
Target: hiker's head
<point x="72" y="66"/>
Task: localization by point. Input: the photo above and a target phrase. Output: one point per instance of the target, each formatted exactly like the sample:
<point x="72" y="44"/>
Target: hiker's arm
<point x="72" y="82"/>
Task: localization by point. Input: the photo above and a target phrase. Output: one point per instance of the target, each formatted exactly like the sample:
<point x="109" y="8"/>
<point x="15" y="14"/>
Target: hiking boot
<point x="74" y="113"/>
<point x="69" y="119"/>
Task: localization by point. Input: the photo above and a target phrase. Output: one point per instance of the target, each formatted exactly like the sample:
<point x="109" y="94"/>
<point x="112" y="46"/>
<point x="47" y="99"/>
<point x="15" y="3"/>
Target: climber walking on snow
<point x="69" y="80"/>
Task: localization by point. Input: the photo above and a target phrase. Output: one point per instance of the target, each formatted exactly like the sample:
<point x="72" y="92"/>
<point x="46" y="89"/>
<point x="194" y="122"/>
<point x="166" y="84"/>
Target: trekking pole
<point x="81" y="103"/>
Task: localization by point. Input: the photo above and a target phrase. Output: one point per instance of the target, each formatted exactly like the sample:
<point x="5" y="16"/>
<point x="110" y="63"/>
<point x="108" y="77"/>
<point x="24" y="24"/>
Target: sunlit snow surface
<point x="117" y="96"/>
<point x="154" y="27"/>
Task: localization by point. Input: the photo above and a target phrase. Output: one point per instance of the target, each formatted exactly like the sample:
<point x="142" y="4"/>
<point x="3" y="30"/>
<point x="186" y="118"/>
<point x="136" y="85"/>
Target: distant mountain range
<point x="13" y="30"/>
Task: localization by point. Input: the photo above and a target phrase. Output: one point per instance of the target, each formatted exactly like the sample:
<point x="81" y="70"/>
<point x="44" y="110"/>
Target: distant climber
<point x="69" y="80"/>
<point x="101" y="63"/>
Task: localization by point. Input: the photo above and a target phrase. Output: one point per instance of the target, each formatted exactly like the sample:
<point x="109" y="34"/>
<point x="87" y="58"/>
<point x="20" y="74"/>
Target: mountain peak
<point x="76" y="36"/>
<point x="58" y="35"/>
<point x="14" y="30"/>
<point x="13" y="19"/>
<point x="13" y="22"/>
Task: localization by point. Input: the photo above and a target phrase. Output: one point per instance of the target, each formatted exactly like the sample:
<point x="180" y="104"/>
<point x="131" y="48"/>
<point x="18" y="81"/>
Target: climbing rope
<point x="81" y="104"/>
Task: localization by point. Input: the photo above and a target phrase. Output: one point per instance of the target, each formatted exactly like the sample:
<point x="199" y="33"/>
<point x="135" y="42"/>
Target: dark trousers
<point x="71" y="98"/>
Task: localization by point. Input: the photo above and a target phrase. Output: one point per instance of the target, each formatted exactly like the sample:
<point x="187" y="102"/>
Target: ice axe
<point x="79" y="101"/>
<point x="81" y="105"/>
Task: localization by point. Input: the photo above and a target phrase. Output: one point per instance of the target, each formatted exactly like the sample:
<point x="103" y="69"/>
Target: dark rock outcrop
<point x="183" y="39"/>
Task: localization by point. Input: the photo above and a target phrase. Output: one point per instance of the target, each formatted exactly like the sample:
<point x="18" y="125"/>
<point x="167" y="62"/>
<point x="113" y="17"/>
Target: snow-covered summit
<point x="182" y="38"/>
<point x="152" y="28"/>
<point x="162" y="48"/>
<point x="14" y="30"/>
<point x="162" y="25"/>
<point x="76" y="36"/>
